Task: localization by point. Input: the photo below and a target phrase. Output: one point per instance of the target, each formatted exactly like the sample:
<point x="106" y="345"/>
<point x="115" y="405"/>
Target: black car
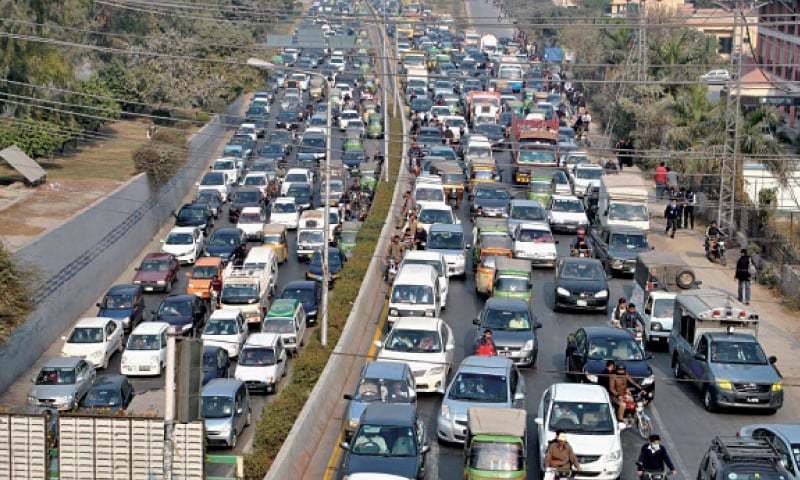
<point x="302" y="193"/>
<point x="215" y="363"/>
<point x="493" y="132"/>
<point x="743" y="457"/>
<point x="186" y="314"/>
<point x="581" y="284"/>
<point x="590" y="348"/>
<point x="352" y="159"/>
<point x="125" y="303"/>
<point x="288" y="120"/>
<point x="272" y="151"/>
<point x="229" y="244"/>
<point x="284" y="138"/>
<point x="211" y="199"/>
<point x="335" y="265"/>
<point x="109" y="393"/>
<point x="490" y="200"/>
<point x="244" y="197"/>
<point x="195" y="215"/>
<point x="513" y="327"/>
<point x="308" y="292"/>
<point x="387" y="441"/>
<point x="618" y="247"/>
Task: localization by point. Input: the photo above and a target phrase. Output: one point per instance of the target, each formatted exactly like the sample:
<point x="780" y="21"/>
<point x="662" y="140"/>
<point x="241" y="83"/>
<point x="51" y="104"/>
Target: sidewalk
<point x="779" y="330"/>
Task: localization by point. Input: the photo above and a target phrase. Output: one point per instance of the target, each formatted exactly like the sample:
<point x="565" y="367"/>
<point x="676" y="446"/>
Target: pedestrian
<point x="420" y="238"/>
<point x="671" y="214"/>
<point x="587" y="120"/>
<point x="661" y="180"/>
<point x="680" y="198"/>
<point x="672" y="180"/>
<point x="743" y="273"/>
<point x="688" y="208"/>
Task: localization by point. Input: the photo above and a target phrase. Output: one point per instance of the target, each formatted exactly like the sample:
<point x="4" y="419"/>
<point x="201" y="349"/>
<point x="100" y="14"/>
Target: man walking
<point x="661" y="180"/>
<point x="672" y="180"/>
<point x="671" y="214"/>
<point x="688" y="208"/>
<point x="680" y="198"/>
<point x="743" y="277"/>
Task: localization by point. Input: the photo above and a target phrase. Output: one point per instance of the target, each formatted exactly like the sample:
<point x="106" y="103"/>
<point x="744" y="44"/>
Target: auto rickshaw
<point x="347" y="238"/>
<point x="491" y="238"/>
<point x="368" y="176"/>
<point x="513" y="279"/>
<point x="274" y="236"/>
<point x="484" y="274"/>
<point x="539" y="189"/>
<point x="482" y="171"/>
<point x="205" y="279"/>
<point x="452" y="180"/>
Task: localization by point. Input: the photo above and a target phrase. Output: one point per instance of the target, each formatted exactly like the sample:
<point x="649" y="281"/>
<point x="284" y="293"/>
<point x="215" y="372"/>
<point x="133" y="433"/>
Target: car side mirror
<point x="345" y="446"/>
<point x="97" y="304"/>
<point x="622" y="426"/>
<point x="347" y="396"/>
<point x="519" y="396"/>
<point x="64" y="338"/>
<point x="449" y="347"/>
<point x="773" y="359"/>
<point x="197" y="184"/>
<point x="539" y="421"/>
<point x="700" y="356"/>
<point x="537" y="325"/>
<point x="280" y="360"/>
<point x="467" y="246"/>
<point x="377" y="343"/>
<point x="425" y="448"/>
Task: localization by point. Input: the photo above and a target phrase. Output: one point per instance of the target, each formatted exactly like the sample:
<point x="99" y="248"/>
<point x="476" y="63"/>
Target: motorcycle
<point x="715" y="250"/>
<point x="636" y="417"/>
<point x="391" y="271"/>
<point x="654" y="475"/>
<point x="581" y="253"/>
<point x="637" y="335"/>
<point x="556" y="474"/>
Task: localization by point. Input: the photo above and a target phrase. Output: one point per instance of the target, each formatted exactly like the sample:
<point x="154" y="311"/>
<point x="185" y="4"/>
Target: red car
<point x="157" y="272"/>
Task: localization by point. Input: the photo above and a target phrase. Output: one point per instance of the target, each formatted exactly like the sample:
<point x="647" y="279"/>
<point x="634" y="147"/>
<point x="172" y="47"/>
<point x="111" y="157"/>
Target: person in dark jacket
<point x="743" y="276"/>
<point x="653" y="457"/>
<point x="671" y="214"/>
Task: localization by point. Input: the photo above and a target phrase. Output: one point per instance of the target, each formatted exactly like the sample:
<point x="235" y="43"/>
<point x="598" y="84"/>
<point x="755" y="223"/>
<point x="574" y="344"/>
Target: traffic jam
<point x="529" y="318"/>
<point x="241" y="269"/>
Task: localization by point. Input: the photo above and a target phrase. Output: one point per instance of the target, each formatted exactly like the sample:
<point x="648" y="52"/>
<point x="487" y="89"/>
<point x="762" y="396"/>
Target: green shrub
<point x="278" y="417"/>
<point x="15" y="283"/>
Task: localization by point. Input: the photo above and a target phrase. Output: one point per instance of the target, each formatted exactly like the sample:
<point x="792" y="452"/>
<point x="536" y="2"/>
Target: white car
<point x="585" y="175"/>
<point x="338" y="63"/>
<point x="226" y="329"/>
<point x="585" y="414"/>
<point x="291" y="96"/>
<point x="430" y="213"/>
<point x="229" y="167"/>
<point x="301" y="79"/>
<point x="146" y="351"/>
<point x="566" y="213"/>
<point x="346" y="116"/>
<point x="216" y="181"/>
<point x="262" y="362"/>
<point x="296" y="175"/>
<point x="436" y="260"/>
<point x="426" y="345"/>
<point x="251" y="222"/>
<point x="285" y="212"/>
<point x="535" y="242"/>
<point x="186" y="243"/>
<point x="716" y="77"/>
<point x="96" y="339"/>
<point x="258" y="180"/>
<point x="658" y="316"/>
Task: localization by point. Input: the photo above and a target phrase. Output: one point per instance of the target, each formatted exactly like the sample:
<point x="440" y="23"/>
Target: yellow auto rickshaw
<point x="274" y="236"/>
<point x="452" y="176"/>
<point x="483" y="170"/>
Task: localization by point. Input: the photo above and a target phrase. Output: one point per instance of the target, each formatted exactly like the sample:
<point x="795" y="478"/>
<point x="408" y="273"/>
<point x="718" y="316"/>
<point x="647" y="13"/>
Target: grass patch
<point x="278" y="417"/>
<point x="15" y="283"/>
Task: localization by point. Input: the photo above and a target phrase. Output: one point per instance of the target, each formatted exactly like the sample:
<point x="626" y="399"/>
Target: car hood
<point x="598" y="445"/>
<point x="509" y="338"/>
<point x="217" y="424"/>
<point x="587" y="286"/>
<point x="491" y="203"/>
<point x="174" y="319"/>
<point x="216" y="250"/>
<point x="406" y="467"/>
<point x="81" y="349"/>
<point x="626" y="253"/>
<point x="636" y="368"/>
<point x="259" y="374"/>
<point x="199" y="284"/>
<point x="52" y="391"/>
<point x="415" y="361"/>
<point x="150" y="276"/>
<point x="177" y="249"/>
<point x="116" y="314"/>
<point x="458" y="408"/>
<point x="745" y="373"/>
<point x="140" y="356"/>
<point x="570" y="216"/>
<point x="450" y="255"/>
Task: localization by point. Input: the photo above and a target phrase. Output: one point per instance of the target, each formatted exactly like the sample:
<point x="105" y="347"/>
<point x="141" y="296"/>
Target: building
<point x="779" y="52"/>
<point x="718" y="23"/>
<point x="623" y="8"/>
<point x="757" y="177"/>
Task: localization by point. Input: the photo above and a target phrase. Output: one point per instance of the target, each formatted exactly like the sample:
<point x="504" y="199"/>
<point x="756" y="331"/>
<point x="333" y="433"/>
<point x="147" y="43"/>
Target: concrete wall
<point x="77" y="261"/>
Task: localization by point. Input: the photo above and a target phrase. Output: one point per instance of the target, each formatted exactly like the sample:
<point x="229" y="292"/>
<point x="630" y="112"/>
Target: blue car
<point x="308" y="292"/>
<point x="215" y="363"/>
<point x="123" y="302"/>
<point x="335" y="265"/>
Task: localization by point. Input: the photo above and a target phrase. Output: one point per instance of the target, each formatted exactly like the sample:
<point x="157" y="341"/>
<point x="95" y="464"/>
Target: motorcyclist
<point x="653" y="457"/>
<point x="618" y="312"/>
<point x="712" y="233"/>
<point x="618" y="385"/>
<point x="580" y="243"/>
<point x="631" y="319"/>
<point x="560" y="456"/>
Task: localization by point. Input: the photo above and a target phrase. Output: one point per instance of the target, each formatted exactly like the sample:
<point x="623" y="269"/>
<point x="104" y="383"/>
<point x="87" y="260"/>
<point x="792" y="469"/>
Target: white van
<point x="251" y="222"/>
<point x="426" y="193"/>
<point x="262" y="259"/>
<point x="247" y="288"/>
<point x="415" y="293"/>
<point x="262" y="362"/>
<point x="146" y="351"/>
<point x="430" y="213"/>
<point x="437" y="261"/>
<point x="226" y="329"/>
<point x="285" y="212"/>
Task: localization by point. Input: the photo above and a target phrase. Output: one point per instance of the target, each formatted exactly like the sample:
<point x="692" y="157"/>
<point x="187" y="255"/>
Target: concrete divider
<point x="77" y="261"/>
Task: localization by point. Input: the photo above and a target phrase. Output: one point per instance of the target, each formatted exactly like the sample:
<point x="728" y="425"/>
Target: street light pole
<point x="385" y="85"/>
<point x="169" y="405"/>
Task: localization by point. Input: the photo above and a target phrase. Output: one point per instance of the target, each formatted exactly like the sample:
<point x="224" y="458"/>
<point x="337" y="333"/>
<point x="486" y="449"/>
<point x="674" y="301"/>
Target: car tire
<point x="676" y="368"/>
<point x="709" y="402"/>
<point x="249" y="418"/>
<point x="233" y="441"/>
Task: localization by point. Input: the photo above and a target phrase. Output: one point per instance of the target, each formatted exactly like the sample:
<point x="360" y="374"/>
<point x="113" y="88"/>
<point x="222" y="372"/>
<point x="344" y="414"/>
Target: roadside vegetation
<point x="279" y="415"/>
<point x="15" y="300"/>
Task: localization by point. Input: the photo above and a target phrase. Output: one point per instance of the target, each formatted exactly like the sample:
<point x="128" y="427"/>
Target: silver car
<point x="226" y="411"/>
<point x="489" y="382"/>
<point x="786" y="439"/>
<point x="61" y="383"/>
<point x="380" y="382"/>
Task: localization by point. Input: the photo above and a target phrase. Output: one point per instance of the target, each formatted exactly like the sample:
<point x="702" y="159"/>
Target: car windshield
<point x="412" y="294"/>
<point x="431" y="216"/>
<point x="532" y="213"/>
<point x="628" y="241"/>
<point x="490" y="130"/>
<point x="284" y="207"/>
<point x="491" y="193"/>
<point x="627" y="212"/>
<point x="204" y="272"/>
<point x="118" y="302"/>
<point x="56" y="376"/>
<point x="247" y="196"/>
<point x="208" y="196"/>
<point x="220" y="327"/>
<point x="384" y="441"/>
<point x="499" y="319"/>
<point x="535" y="236"/>
<point x="213" y="179"/>
<point x="744" y="353"/>
<point x="217" y="407"/>
<point x="100" y="396"/>
<point x="154" y="266"/>
<point x="300" y="294"/>
<point x="255" y="180"/>
<point x="238" y="294"/>
<point x="86" y="335"/>
<point x="190" y="213"/>
<point x="209" y="361"/>
<point x="663" y="308"/>
<point x="224" y="165"/>
<point x="299" y="191"/>
<point x="278" y="325"/>
<point x="414" y="341"/>
<point x="143" y="342"/>
<point x="582" y="418"/>
<point x="310" y="236"/>
<point x="182" y="308"/>
<point x="496" y="456"/>
<point x="429" y="195"/>
<point x="589" y="173"/>
<point x="536" y="156"/>
<point x="446" y="153"/>
<point x="582" y="271"/>
<point x="480" y="152"/>
<point x="257" y="357"/>
<point x="179" y="239"/>
<point x="615" y="348"/>
<point x="571" y="205"/>
<point x="477" y="387"/>
<point x="540" y="187"/>
<point x="250" y="218"/>
<point x="512" y="284"/>
<point x="296" y="177"/>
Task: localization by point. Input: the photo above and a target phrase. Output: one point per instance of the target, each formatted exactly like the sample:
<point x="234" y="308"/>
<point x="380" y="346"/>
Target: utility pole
<point x="641" y="40"/>
<point x="326" y="212"/>
<point x="385" y="86"/>
<point x="169" y="406"/>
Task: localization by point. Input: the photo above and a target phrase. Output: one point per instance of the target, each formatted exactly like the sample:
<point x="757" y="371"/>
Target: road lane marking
<point x="680" y="465"/>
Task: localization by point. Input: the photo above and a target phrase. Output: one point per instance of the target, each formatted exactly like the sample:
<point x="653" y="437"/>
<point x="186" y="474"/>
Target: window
<point x="111" y="327"/>
<point x="687" y="327"/>
<point x="702" y="346"/>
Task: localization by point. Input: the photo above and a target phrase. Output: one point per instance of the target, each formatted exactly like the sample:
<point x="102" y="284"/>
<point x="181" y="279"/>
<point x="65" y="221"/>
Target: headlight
<point x="353" y="423"/>
<point x="563" y="291"/>
<point x="393" y="312"/>
<point x="615" y="456"/>
<point x="161" y="282"/>
<point x="591" y="377"/>
<point x="616" y="263"/>
<point x="724" y="385"/>
<point x="64" y="400"/>
<point x="601" y="294"/>
<point x="429" y="313"/>
<point x="528" y="346"/>
<point x="137" y="282"/>
<point x="656" y="326"/>
<point x="436" y="371"/>
<point x="777" y="387"/>
<point x="96" y="354"/>
<point x="445" y="412"/>
<point x="186" y="327"/>
<point x="270" y="379"/>
<point x="649" y="380"/>
<point x="32" y="400"/>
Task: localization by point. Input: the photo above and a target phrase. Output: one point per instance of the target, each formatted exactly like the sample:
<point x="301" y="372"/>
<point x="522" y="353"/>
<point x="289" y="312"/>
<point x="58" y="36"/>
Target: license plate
<point x="752" y="400"/>
<point x="504" y="353"/>
<point x="148" y="289"/>
<point x="581" y="303"/>
<point x="143" y="368"/>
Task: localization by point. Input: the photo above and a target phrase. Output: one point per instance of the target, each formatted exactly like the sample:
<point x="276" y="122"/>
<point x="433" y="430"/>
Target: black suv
<point x="739" y="457"/>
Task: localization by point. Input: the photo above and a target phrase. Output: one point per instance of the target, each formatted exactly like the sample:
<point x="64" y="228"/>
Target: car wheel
<point x="233" y="441"/>
<point x="249" y="418"/>
<point x="676" y="368"/>
<point x="709" y="402"/>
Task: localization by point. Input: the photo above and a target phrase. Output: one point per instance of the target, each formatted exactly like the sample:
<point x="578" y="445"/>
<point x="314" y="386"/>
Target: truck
<point x="488" y="44"/>
<point x="471" y="38"/>
<point x="714" y="344"/>
<point x="623" y="201"/>
<point x="246" y="290"/>
<point x="483" y="106"/>
<point x="535" y="144"/>
<point x="510" y="69"/>
<point x="496" y="444"/>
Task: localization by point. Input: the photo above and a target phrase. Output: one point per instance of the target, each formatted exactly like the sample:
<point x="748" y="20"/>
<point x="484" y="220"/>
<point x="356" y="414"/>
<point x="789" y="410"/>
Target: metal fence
<point x="23" y="447"/>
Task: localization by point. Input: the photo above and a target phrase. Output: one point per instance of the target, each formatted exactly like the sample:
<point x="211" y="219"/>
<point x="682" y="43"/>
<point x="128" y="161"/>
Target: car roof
<point x="109" y="380"/>
<point x="582" y="260"/>
<point x="789" y="431"/>
<point x="227" y="231"/>
<point x="436" y="206"/>
<point x="129" y="288"/>
<point x="528" y="225"/>
<point x="208" y="261"/>
<point x="447" y="227"/>
<point x="488" y="365"/>
<point x="183" y="229"/>
<point x="525" y="202"/>
<point x="606" y="332"/>
<point x="423" y="255"/>
<point x="261" y="339"/>
<point x="389" y="414"/>
<point x="221" y="387"/>
<point x="385" y="370"/>
<point x="251" y="210"/>
<point x="731" y="337"/>
<point x="92" y="322"/>
<point x="579" y="392"/>
<point x="516" y="304"/>
<point x="150" y="328"/>
<point x="62" y="362"/>
<point x="412" y="271"/>
<point x="301" y="284"/>
<point x="283" y="307"/>
<point x="158" y="256"/>
<point x="224" y="314"/>
<point x="417" y="323"/>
